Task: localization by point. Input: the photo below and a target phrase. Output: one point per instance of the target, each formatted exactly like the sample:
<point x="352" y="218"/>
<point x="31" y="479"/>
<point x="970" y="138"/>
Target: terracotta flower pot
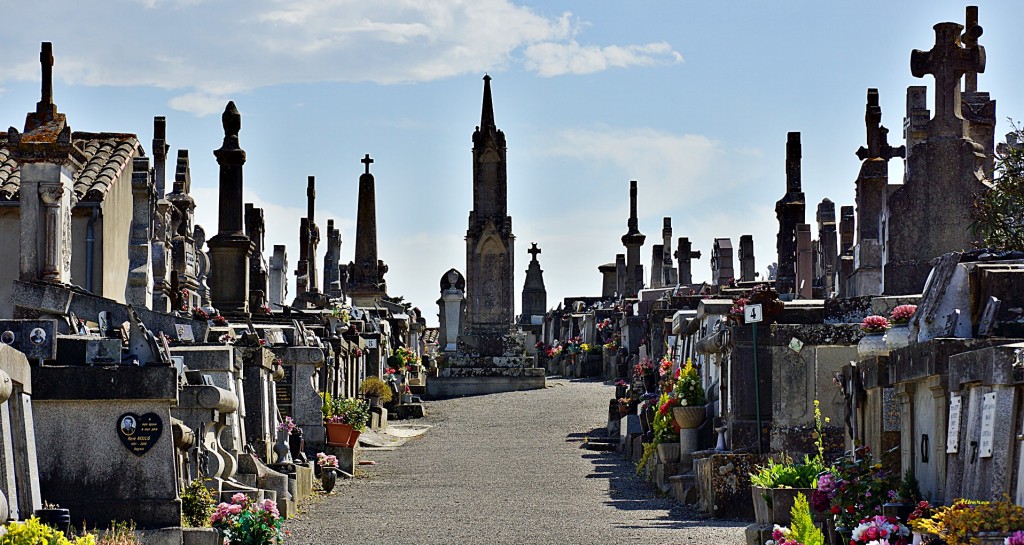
<point x="341" y="435"/>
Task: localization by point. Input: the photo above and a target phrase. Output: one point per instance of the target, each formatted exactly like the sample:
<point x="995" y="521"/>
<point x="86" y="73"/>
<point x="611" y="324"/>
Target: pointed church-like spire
<point x="487" y="111"/>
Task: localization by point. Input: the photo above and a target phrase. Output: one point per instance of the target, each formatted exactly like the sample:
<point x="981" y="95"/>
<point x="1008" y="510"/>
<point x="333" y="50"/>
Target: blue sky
<point x="692" y="99"/>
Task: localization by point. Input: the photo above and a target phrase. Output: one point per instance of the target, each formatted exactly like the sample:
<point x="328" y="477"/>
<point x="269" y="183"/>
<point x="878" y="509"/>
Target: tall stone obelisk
<point x="230" y="249"/>
<point x="489" y="240"/>
<point x="489" y="355"/>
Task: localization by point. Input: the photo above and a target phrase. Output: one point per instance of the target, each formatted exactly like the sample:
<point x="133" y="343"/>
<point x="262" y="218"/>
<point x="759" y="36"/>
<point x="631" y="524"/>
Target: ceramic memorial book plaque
<point x="139" y="433"/>
<point x="953" y="434"/>
<point x="988" y="420"/>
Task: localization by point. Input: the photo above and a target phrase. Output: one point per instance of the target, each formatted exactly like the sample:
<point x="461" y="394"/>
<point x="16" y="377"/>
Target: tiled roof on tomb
<point x="104" y="157"/>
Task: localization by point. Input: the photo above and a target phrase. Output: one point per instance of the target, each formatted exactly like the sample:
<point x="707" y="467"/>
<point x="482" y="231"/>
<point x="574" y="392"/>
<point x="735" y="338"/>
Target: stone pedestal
<point x="229" y="274"/>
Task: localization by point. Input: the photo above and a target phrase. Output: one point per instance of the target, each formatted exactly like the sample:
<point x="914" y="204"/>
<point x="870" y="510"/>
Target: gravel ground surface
<point x="505" y="468"/>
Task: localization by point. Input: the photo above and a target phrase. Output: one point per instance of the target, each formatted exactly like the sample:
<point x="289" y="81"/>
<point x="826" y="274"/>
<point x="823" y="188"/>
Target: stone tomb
<point x="19" y="472"/>
<point x="982" y="458"/>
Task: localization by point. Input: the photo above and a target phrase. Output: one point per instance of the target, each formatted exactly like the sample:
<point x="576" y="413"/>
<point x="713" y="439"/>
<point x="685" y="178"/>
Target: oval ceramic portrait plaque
<point x="139" y="433"/>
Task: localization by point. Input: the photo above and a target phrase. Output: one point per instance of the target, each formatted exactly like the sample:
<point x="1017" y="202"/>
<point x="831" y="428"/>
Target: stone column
<point x="657" y="264"/>
<point x="607" y="280"/>
<point x="258" y="281"/>
<point x="620" y="274"/>
<point x="633" y="240"/>
<point x="747" y="268"/>
<point x="804" y="262"/>
<point x="669" y="275"/>
<point x="57" y="234"/>
<point x="161" y="239"/>
<point x="230" y="248"/>
<point x="278" y="273"/>
<point x="140" y="268"/>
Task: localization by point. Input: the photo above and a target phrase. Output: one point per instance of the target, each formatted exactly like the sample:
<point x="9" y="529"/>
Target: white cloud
<point x="207" y="49"/>
<point x="199" y="103"/>
<point x="670" y="168"/>
<point x="557" y="59"/>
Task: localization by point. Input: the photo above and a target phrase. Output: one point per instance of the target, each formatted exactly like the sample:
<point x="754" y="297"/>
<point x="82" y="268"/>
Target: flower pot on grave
<point x="406" y="399"/>
<point x="297" y="445"/>
<point x="782" y="502"/>
<point x="328" y="478"/>
<point x="668" y="453"/>
<point x="689" y="417"/>
<point x="762" y="512"/>
<point x="341" y="435"/>
<point x="872" y="345"/>
<point x="374" y="401"/>
<point x="58" y="518"/>
<point x="897" y="337"/>
<point x="650" y="381"/>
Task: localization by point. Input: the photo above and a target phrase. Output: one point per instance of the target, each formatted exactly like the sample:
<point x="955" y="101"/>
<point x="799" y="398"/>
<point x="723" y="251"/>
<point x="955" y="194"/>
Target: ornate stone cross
<point x="947" y="60"/>
<point x="878" y="136"/>
<point x="533" y="251"/>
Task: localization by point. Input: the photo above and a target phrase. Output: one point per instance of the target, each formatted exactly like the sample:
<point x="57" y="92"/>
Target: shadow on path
<point x="628" y="491"/>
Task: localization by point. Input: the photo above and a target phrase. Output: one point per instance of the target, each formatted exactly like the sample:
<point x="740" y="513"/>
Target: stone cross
<point x="314" y="235"/>
<point x="969" y="38"/>
<point x="45" y="108"/>
<point x="366" y="161"/>
<point x="683" y="254"/>
<point x="533" y="251"/>
<point x="878" y="136"/>
<point x="947" y="61"/>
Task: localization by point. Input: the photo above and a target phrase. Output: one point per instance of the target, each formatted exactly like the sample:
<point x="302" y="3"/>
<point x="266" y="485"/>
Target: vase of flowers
<point x="282" y="448"/>
<point x="898" y="334"/>
<point x="689" y="393"/>
<point x="872" y="344"/>
<point x="328" y="470"/>
<point x="644" y="372"/>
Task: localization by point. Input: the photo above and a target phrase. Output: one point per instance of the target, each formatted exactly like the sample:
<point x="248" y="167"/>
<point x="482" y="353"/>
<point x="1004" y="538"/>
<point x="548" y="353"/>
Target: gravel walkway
<point x="505" y="468"/>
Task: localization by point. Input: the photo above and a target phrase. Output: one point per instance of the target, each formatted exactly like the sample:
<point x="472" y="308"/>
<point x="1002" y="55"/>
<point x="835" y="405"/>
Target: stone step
<point x="684" y="488"/>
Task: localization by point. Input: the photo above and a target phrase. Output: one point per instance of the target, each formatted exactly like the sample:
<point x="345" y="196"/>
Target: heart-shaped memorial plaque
<point x="139" y="433"/>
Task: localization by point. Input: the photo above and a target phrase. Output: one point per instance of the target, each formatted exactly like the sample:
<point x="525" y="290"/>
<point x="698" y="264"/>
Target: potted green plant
<point x="375" y="390"/>
<point x="775" y="486"/>
<point x="345" y="419"/>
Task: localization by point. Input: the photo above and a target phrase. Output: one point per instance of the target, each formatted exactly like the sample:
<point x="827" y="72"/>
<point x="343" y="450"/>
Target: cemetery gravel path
<point x="505" y="468"/>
